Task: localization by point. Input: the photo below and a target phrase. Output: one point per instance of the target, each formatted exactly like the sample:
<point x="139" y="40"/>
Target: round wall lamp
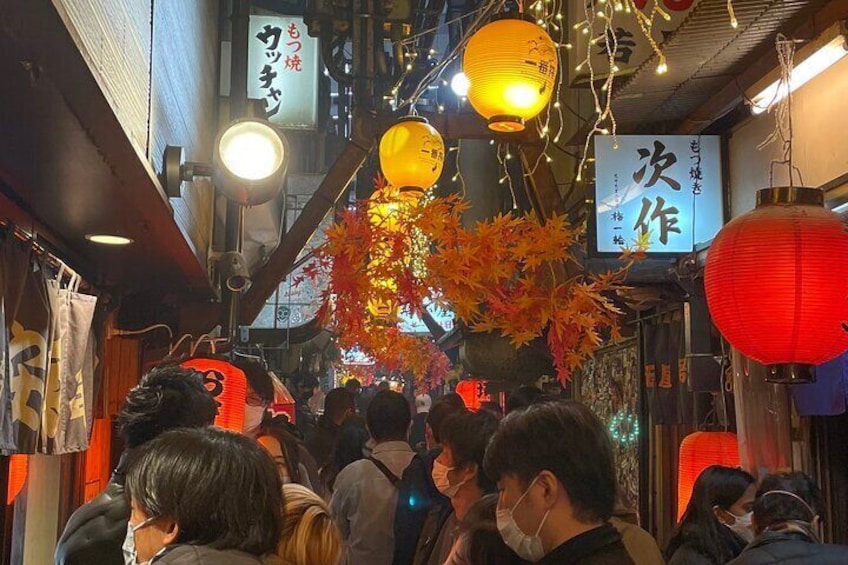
<point x="248" y="165"/>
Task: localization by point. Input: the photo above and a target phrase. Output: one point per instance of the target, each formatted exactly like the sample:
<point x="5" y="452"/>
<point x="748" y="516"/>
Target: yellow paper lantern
<point x="412" y="154"/>
<point x="512" y="67"/>
<point x="384" y="207"/>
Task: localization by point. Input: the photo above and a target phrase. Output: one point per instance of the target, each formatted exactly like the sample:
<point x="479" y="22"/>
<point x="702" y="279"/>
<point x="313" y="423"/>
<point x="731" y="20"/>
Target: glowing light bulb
<point x="662" y="68"/>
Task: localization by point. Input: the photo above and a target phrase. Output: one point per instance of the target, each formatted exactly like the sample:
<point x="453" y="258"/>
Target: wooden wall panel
<point x="121" y="372"/>
<point x="184" y="103"/>
<point x="114" y="36"/>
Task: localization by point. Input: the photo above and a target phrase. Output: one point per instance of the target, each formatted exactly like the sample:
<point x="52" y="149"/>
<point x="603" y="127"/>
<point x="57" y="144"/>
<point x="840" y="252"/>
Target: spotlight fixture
<point x="248" y="166"/>
<point x="250" y="161"/>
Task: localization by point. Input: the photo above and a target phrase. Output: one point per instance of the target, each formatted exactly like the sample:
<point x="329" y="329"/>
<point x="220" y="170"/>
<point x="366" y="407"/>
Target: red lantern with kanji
<point x="777" y="283"/>
<point x="228" y="385"/>
<point x="699" y="451"/>
<point x="474" y="393"/>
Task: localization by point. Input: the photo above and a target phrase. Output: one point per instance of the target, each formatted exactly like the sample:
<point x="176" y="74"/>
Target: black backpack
<point x="416" y="496"/>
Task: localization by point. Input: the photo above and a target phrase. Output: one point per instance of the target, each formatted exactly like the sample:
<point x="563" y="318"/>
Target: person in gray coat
<point x="166" y="398"/>
<point x="203" y="496"/>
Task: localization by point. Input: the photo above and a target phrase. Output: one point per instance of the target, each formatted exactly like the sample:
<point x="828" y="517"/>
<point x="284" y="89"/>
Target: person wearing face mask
<point x="716" y="525"/>
<point x="458" y="475"/>
<point x="186" y="508"/>
<point x="787" y="518"/>
<point x="553" y="464"/>
<point x="167" y="397"/>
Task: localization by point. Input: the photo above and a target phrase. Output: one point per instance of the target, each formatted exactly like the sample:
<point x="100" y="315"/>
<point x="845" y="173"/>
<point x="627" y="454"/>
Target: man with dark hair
<point x="441" y="409"/>
<point x="338" y="405"/>
<point x="458" y="475"/>
<point x="364" y="497"/>
<point x="553" y="463"/>
<point x="787" y="518"/>
<point x="186" y="507"/>
<point x="166" y="398"/>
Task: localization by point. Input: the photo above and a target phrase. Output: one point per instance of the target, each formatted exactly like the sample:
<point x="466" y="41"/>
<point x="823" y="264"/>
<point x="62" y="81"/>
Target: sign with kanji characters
<point x="283" y="65"/>
<point x="631" y="47"/>
<point x="666" y="185"/>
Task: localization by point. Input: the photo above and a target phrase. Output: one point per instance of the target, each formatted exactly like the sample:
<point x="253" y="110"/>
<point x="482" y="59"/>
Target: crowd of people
<point x="369" y="482"/>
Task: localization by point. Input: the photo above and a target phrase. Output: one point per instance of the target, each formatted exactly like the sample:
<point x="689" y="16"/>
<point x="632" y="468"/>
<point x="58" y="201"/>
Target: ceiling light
<point x="108" y="239"/>
<point x="820" y="59"/>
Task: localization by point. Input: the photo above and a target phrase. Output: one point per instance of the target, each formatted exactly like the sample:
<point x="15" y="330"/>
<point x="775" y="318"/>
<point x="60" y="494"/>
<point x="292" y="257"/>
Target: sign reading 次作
<point x="283" y="66"/>
<point x="666" y="185"/>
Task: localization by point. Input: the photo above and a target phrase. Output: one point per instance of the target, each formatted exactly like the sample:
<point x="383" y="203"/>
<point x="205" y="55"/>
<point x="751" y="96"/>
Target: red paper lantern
<point x="699" y="451"/>
<point x="228" y="385"/>
<point x="17" y="476"/>
<point x="777" y="282"/>
<point x="473" y="393"/>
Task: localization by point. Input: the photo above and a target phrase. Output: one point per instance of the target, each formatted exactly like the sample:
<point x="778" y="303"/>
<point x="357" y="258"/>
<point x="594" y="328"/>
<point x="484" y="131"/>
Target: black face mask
<point x="307" y="394"/>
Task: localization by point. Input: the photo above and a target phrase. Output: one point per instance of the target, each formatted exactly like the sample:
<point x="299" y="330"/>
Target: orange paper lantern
<point x="512" y="67"/>
<point x="17" y="476"/>
<point x="473" y="392"/>
<point x="228" y="385"/>
<point x="412" y="154"/>
<point x="699" y="451"/>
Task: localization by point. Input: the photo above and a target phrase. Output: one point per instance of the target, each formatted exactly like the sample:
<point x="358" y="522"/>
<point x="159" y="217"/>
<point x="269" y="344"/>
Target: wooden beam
<point x="266" y="281"/>
<point x="541" y="184"/>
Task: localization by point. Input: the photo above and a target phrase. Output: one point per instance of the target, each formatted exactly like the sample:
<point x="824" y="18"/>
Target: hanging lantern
<point x="776" y="283"/>
<point x="384" y="207"/>
<point x="17" y="476"/>
<point x="412" y="154"/>
<point x="699" y="451"/>
<point x="512" y="66"/>
<point x="474" y="393"/>
<point x="228" y="385"/>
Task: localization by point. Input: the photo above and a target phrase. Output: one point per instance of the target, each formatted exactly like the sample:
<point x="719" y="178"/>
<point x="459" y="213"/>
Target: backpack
<point x="416" y="496"/>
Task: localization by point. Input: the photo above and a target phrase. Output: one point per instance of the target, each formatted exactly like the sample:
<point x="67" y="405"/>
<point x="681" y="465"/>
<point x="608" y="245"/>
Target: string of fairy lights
<point x="599" y="22"/>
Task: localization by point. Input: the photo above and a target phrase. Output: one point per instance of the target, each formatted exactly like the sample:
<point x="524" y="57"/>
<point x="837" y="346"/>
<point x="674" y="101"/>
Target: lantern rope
<point x="783" y="116"/>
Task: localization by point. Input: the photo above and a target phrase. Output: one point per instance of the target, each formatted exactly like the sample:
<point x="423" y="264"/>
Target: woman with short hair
<point x="203" y="496"/>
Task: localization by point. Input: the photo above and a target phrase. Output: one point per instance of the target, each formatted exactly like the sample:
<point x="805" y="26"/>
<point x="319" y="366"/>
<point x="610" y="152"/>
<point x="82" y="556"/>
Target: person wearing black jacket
<point x="166" y="398"/>
<point x="553" y="464"/>
<point x="787" y="517"/>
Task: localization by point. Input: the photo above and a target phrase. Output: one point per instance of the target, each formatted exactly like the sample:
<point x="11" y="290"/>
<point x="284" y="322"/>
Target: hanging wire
<point x="782" y="131"/>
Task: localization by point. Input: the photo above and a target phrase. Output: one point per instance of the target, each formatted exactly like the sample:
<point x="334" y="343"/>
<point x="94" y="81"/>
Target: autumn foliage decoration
<point x="513" y="275"/>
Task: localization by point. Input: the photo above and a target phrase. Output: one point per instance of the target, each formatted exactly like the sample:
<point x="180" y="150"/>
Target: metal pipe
<point x="234" y="238"/>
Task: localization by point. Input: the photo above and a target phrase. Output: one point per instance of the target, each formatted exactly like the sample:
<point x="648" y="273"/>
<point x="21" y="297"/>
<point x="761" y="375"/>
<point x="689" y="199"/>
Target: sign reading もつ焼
<point x="283" y="70"/>
<point x="666" y="185"/>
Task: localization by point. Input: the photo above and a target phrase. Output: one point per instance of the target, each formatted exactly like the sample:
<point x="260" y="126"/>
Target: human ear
<point x="172" y="532"/>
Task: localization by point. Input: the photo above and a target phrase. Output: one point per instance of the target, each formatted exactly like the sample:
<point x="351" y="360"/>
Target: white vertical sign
<point x="283" y="65"/>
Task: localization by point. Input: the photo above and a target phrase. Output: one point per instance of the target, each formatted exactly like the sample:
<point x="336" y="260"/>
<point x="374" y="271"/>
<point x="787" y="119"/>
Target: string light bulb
<point x="662" y="68"/>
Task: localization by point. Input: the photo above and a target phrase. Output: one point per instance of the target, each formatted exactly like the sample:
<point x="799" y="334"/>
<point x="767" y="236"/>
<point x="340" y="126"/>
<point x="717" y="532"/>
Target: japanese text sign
<point x="631" y="46"/>
<point x="666" y="185"/>
<point x="283" y="66"/>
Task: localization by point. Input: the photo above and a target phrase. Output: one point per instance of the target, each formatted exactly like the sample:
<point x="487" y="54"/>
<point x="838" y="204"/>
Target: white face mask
<point x="252" y="417"/>
<point x="128" y="547"/>
<point x="440" y="479"/>
<point x="742" y="526"/>
<point x="527" y="547"/>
